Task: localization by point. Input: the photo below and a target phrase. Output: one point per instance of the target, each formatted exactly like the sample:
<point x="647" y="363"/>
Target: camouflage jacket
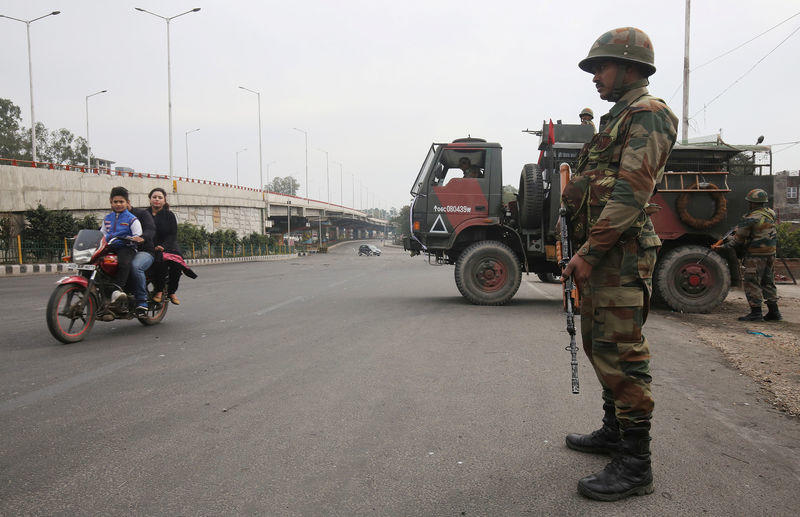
<point x="617" y="172"/>
<point x="756" y="233"/>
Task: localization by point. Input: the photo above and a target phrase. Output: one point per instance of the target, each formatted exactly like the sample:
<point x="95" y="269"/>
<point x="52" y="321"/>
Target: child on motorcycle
<point x="126" y="228"/>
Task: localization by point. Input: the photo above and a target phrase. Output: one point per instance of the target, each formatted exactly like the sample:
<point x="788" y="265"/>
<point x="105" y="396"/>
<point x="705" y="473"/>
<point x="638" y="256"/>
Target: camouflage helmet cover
<point x="757" y="196"/>
<point x="623" y="44"/>
<point x="586" y="111"/>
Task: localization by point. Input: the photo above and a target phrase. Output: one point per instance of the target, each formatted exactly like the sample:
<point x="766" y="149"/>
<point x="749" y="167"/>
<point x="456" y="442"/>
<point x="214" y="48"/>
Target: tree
<point x="509" y="194"/>
<point x="63" y="147"/>
<point x="401" y="221"/>
<point x="60" y="146"/>
<point x="12" y="137"/>
<point x="741" y="165"/>
<point x="287" y="185"/>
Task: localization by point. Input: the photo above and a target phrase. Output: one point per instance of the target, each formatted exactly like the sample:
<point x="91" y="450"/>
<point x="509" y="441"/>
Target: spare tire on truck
<point x="488" y="273"/>
<point x="531" y="196"/>
<point x="692" y="279"/>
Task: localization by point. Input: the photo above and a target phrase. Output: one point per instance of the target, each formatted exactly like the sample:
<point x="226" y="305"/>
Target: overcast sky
<point x="375" y="82"/>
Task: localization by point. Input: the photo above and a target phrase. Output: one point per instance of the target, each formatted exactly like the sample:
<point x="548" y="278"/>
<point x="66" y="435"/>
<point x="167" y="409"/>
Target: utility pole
<point x="289" y="223"/>
<point x="685" y="118"/>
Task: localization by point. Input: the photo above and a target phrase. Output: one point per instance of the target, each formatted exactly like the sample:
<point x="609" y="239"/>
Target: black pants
<point x="169" y="271"/>
<point x="125" y="256"/>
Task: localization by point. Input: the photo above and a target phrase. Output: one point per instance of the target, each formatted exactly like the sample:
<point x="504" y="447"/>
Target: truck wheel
<point x="690" y="279"/>
<point x="488" y="273"/>
<point x="531" y="196"/>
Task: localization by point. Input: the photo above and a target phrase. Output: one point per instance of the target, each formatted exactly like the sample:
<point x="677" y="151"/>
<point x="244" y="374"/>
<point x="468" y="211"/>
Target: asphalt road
<point x="345" y="385"/>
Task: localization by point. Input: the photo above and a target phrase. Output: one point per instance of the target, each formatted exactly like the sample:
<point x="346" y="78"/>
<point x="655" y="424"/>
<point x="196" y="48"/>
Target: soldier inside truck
<point x="457" y="165"/>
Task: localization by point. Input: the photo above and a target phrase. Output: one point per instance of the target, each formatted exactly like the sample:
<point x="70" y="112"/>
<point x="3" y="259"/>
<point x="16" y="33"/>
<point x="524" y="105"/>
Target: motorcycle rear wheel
<point x="64" y="321"/>
<point x="155" y="311"/>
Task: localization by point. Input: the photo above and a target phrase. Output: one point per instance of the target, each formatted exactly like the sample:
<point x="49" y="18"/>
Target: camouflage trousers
<point x="759" y="279"/>
<point x="614" y="307"/>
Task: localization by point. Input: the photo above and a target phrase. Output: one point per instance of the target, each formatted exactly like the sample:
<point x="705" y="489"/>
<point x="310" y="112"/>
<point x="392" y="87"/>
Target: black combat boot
<point x="773" y="314"/>
<point x="628" y="474"/>
<point x="755" y="315"/>
<point x="603" y="441"/>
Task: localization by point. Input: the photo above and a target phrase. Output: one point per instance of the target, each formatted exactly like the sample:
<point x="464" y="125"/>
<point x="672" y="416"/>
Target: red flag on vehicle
<point x="551" y="134"/>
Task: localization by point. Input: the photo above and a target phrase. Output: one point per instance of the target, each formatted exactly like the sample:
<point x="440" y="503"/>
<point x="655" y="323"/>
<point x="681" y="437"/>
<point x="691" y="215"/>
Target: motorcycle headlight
<point x="83" y="256"/>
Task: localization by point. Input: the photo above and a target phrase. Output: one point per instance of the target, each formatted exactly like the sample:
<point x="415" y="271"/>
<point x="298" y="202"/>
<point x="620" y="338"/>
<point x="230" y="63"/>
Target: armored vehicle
<point x="458" y="217"/>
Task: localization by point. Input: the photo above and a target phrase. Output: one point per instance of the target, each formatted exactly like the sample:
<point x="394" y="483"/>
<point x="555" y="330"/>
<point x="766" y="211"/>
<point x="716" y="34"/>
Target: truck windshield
<point x="426" y="165"/>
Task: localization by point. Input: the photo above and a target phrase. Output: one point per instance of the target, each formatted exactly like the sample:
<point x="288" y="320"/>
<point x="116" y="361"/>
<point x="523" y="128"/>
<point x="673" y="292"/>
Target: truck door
<point x="458" y="191"/>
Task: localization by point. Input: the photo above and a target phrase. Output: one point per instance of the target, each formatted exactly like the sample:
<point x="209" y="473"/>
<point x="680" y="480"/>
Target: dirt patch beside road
<point x="774" y="361"/>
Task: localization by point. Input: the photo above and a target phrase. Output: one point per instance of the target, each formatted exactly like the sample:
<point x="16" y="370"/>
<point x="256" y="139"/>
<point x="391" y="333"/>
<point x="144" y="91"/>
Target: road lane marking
<point x="549" y="296"/>
<point x="278" y="305"/>
<point x="60" y="387"/>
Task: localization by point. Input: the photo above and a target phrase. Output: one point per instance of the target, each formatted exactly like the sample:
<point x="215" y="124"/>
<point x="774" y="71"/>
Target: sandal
<point x="158" y="297"/>
<point x="174" y="299"/>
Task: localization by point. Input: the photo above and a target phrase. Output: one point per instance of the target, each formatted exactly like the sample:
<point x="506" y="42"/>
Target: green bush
<point x="189" y="234"/>
<point x="788" y="240"/>
<point x="89" y="222"/>
<point x="257" y="241"/>
<point x="224" y="238"/>
<point x="48" y="228"/>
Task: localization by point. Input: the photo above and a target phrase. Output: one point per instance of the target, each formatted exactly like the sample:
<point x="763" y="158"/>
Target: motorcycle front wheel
<point x="70" y="313"/>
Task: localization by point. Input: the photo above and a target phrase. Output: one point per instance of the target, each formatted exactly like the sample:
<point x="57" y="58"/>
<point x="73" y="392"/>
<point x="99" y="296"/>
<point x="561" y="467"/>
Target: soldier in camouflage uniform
<point x="757" y="235"/>
<point x="607" y="198"/>
<point x="587" y="115"/>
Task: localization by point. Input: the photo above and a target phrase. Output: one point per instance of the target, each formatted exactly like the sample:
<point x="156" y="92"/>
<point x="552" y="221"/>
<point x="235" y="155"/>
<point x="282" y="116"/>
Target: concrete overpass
<point x="213" y="205"/>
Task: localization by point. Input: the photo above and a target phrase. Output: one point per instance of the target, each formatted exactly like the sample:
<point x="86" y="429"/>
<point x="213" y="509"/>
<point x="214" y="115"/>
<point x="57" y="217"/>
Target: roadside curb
<point x="31" y="269"/>
<point x="39" y="269"/>
<point x="258" y="258"/>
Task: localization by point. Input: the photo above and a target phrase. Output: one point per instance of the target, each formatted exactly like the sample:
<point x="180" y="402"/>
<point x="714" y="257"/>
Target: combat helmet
<point x="757" y="196"/>
<point x="586" y="111"/>
<point x="624" y="44"/>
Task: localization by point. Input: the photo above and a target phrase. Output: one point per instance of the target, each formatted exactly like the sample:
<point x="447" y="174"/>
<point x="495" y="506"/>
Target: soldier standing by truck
<point x="617" y="172"/>
<point x="756" y="233"/>
<point x="587" y="115"/>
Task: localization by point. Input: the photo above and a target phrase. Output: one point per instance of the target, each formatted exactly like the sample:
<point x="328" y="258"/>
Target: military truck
<point x="458" y="218"/>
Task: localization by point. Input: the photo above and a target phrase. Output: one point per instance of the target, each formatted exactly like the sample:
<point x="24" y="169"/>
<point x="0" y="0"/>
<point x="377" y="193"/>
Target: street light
<point x="187" y="149"/>
<point x="260" y="157"/>
<point x="88" y="145"/>
<point x="30" y="74"/>
<point x="169" y="74"/>
<point x="327" y="172"/>
<point x="306" y="135"/>
<point x="289" y="224"/>
<point x="237" y="164"/>
<point x="341" y="183"/>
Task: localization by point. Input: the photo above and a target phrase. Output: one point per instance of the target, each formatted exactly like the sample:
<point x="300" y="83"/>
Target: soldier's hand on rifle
<point x="578" y="269"/>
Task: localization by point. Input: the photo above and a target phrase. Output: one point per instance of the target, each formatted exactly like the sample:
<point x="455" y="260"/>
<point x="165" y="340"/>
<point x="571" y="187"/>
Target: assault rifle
<point x="564" y="253"/>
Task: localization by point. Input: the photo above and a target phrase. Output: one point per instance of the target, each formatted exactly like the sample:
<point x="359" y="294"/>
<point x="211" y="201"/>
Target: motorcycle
<point x="81" y="299"/>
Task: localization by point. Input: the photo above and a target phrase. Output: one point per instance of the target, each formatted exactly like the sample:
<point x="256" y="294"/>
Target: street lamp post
<point x="289" y="223"/>
<point x="327" y="172"/>
<point x="237" y="164"/>
<point x="187" y="149"/>
<point x="341" y="183"/>
<point x="169" y="75"/>
<point x="306" y="135"/>
<point x="30" y="75"/>
<point x="88" y="145"/>
<point x="260" y="156"/>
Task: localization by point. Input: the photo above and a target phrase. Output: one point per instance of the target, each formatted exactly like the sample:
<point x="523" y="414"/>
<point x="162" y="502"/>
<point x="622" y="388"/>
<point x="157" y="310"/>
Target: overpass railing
<point x="133" y="174"/>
